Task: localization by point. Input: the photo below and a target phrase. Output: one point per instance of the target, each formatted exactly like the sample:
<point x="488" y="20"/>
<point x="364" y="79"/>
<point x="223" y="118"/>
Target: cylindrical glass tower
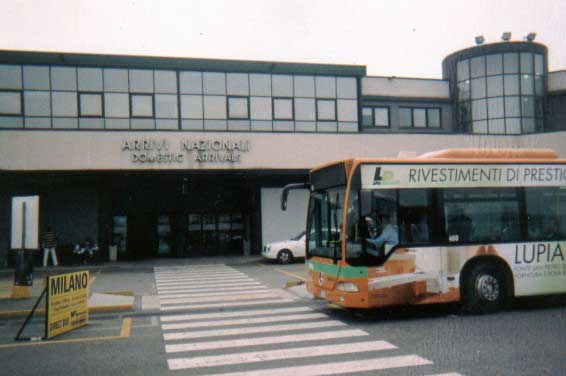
<point x="498" y="88"/>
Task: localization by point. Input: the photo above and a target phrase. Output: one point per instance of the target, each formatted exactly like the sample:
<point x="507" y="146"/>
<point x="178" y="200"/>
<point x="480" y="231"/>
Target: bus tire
<point x="485" y="290"/>
<point x="285" y="256"/>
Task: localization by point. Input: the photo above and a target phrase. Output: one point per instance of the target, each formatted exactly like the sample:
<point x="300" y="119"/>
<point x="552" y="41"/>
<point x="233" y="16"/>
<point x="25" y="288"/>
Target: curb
<point x="97" y="309"/>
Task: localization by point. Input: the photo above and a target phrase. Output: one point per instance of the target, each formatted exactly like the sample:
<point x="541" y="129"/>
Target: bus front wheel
<point x="485" y="289"/>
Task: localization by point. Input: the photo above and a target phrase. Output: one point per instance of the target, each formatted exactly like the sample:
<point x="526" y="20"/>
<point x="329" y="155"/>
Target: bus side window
<point x="546" y="213"/>
<point x="459" y="226"/>
<point x="414" y="216"/>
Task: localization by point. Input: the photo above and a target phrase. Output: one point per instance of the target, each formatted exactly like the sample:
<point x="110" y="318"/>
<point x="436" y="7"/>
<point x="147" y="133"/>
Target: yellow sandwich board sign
<point x="67" y="303"/>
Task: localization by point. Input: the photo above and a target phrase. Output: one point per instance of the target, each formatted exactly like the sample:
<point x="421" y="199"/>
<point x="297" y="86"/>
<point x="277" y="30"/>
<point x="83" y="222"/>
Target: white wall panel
<point x="116" y="80"/>
<point x="260" y="84"/>
<point x="141" y="81"/>
<point x="304" y="86"/>
<point x="282" y="225"/>
<point x="347" y="110"/>
<point x="91" y="123"/>
<point x="405" y="87"/>
<point x="191" y="107"/>
<point x="165" y="81"/>
<point x="260" y="108"/>
<point x="63" y="78"/>
<point x="214" y="83"/>
<point x="36" y="78"/>
<point x="557" y="81"/>
<point x="237" y="84"/>
<point x="89" y="79"/>
<point x="190" y="82"/>
<point x="325" y="87"/>
<point x="347" y="87"/>
<point x="282" y="85"/>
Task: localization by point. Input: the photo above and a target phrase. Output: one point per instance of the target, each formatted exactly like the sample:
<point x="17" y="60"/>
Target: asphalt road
<point x="283" y="330"/>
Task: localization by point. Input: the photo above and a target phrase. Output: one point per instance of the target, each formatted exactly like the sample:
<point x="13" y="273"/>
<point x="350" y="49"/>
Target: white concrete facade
<point x="93" y="151"/>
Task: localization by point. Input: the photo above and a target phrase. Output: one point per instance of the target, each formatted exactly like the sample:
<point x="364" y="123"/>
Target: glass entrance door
<point x="214" y="234"/>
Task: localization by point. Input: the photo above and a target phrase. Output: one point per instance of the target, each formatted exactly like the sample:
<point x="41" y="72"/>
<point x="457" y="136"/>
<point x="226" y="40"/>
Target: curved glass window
<point x="501" y="93"/>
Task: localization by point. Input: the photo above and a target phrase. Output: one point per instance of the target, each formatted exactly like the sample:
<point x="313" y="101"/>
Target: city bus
<point x="479" y="226"/>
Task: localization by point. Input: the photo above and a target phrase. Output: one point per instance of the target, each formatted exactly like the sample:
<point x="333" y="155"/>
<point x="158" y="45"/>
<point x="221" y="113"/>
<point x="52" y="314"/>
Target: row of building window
<point x="409" y="117"/>
<point x="174" y="82"/>
<point x="164" y="106"/>
<point x="496" y="86"/>
<point x="497" y="64"/>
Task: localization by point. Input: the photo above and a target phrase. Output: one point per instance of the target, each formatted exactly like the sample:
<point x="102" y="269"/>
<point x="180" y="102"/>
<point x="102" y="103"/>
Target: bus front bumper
<point x="341" y="298"/>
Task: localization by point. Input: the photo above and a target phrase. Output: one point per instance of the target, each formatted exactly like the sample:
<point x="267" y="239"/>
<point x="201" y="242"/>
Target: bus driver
<point x="387" y="239"/>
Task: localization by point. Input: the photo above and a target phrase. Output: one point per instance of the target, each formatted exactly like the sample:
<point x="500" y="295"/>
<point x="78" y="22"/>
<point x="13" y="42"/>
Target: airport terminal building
<point x="171" y="157"/>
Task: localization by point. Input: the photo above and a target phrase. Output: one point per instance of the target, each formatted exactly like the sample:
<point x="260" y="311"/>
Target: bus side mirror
<point x="286" y="190"/>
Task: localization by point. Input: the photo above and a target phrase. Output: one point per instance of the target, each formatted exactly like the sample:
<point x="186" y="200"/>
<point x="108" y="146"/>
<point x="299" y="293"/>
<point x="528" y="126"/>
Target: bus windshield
<point x="372" y="226"/>
<point x="325" y="222"/>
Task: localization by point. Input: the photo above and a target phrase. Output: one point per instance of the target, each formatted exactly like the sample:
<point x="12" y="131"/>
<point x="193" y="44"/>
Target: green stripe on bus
<point x="333" y="270"/>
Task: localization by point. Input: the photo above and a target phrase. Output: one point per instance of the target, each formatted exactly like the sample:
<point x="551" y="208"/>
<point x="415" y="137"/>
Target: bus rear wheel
<point x="485" y="290"/>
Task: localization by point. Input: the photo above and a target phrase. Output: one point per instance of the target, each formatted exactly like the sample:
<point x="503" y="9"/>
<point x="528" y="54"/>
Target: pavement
<point x="115" y="286"/>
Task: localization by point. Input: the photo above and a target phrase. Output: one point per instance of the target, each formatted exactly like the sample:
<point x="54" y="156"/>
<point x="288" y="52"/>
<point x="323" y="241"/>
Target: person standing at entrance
<point x="49" y="243"/>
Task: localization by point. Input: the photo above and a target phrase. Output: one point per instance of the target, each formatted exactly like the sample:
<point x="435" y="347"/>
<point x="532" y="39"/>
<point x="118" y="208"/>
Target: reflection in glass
<point x="478" y="88"/>
<point x="527" y="84"/>
<point x="511" y="83"/>
<point x="367" y="116"/>
<point x="63" y="78"/>
<point x="405" y="117"/>
<point x="464" y="92"/>
<point x="497" y="126"/>
<point x="463" y="70"/>
<point x="494" y="64"/>
<point x="433" y="115"/>
<point x="326" y="109"/>
<point x="36" y="78"/>
<point x="142" y="105"/>
<point x="495" y="86"/>
<point x="512" y="106"/>
<point x="513" y="125"/>
<point x="511" y="63"/>
<point x="64" y="104"/>
<point x="381" y="117"/>
<point x="238" y="108"/>
<point x="479" y="110"/>
<point x="528" y="125"/>
<point x="480" y="126"/>
<point x="166" y="106"/>
<point x="10" y="102"/>
<point x="526" y="62"/>
<point x="477" y="66"/>
<point x="141" y="81"/>
<point x="528" y="106"/>
<point x="539" y="65"/>
<point x="495" y="107"/>
<point x="419" y="117"/>
<point x="91" y="104"/>
<point x="282" y="108"/>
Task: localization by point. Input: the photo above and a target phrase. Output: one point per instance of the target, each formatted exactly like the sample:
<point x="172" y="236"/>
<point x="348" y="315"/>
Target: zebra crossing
<point x="230" y="324"/>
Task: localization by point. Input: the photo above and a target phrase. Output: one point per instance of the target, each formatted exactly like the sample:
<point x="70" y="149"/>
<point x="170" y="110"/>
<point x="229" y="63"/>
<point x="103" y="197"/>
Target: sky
<point x="403" y="38"/>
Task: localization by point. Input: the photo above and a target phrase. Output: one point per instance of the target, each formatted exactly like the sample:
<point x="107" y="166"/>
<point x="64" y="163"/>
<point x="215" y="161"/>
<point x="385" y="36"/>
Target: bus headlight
<point x="348" y="287"/>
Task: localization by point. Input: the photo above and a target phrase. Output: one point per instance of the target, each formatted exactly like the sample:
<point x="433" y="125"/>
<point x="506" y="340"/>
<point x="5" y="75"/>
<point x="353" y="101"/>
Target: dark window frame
<point x="373" y="125"/>
<point x="229" y="116"/>
<point x="22" y="112"/>
<point x="101" y="94"/>
<point x="275" y="99"/>
<point x="427" y="121"/>
<point x="335" y="109"/>
<point x="132" y="95"/>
